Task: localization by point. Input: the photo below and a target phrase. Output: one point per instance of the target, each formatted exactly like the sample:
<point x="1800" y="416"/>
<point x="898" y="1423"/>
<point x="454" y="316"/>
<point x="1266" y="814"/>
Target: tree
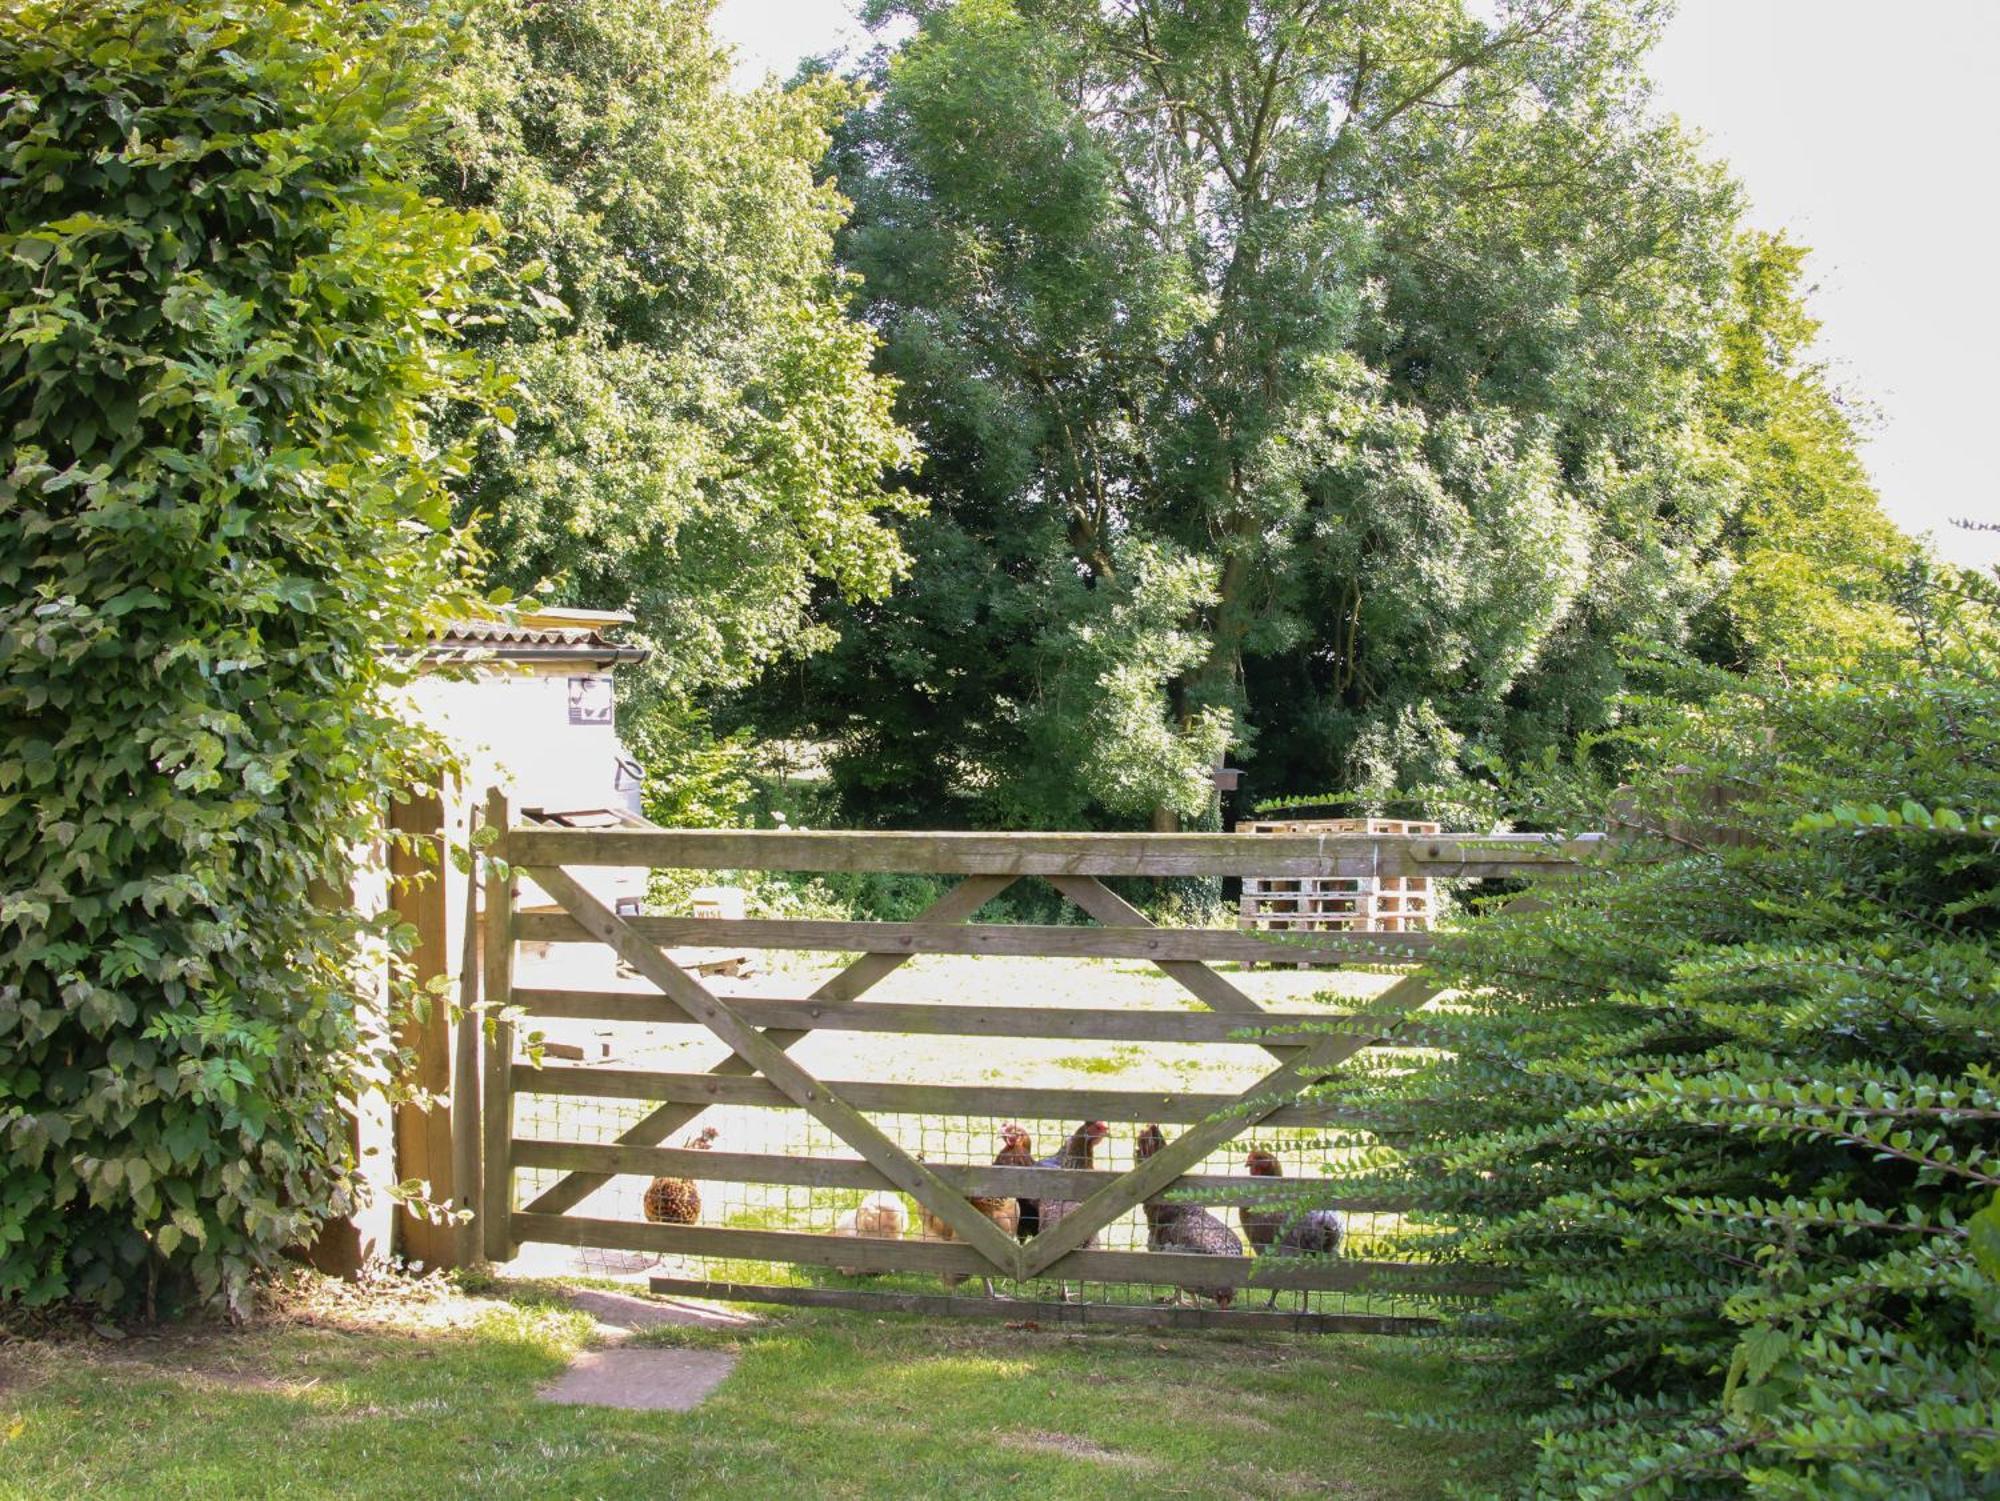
<point x="1812" y="556"/>
<point x="1722" y="1112"/>
<point x="699" y="437"/>
<point x="224" y="538"/>
<point x="1385" y="322"/>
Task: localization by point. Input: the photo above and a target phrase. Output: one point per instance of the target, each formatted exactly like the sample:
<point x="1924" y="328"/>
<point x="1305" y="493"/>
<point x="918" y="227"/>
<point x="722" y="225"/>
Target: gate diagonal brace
<point x="1268" y="1095"/>
<point x="956" y="905"/>
<point x="766" y="1057"/>
<point x="1212" y="990"/>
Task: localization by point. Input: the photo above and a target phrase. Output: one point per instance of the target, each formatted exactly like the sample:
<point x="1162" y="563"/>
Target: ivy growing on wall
<point x="223" y="528"/>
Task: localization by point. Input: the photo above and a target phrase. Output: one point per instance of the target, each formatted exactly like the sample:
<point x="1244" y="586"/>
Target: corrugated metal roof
<point x="541" y="635"/>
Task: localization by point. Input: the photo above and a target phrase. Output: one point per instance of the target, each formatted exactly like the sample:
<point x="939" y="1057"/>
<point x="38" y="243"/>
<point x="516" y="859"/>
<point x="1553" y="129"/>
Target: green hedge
<point x="1726" y="1109"/>
<point x="221" y="510"/>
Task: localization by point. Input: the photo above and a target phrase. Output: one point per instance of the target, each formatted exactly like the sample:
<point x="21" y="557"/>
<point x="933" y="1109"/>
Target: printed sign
<point x="590" y="700"/>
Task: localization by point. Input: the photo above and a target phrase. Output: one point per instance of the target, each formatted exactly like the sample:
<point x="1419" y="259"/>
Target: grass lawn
<point x="436" y="1397"/>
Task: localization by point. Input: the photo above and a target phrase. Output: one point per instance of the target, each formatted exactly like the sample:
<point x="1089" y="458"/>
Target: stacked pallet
<point x="1336" y="904"/>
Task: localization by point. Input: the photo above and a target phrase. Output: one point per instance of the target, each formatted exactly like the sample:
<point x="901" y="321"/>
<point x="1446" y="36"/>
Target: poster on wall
<point x="590" y="700"/>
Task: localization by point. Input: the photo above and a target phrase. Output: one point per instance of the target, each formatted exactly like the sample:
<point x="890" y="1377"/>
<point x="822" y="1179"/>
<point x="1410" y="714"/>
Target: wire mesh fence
<point x="1302" y="1154"/>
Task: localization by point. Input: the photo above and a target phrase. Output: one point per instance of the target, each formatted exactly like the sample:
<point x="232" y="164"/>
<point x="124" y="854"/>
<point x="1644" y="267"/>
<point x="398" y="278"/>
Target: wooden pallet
<point x="1336" y="904"/>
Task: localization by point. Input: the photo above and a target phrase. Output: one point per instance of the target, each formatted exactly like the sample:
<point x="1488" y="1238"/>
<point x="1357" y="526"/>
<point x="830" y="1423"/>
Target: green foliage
<point x="698" y="437"/>
<point x="1393" y="321"/>
<point x="223" y="529"/>
<point x="1725" y="1109"/>
<point x="1810" y="547"/>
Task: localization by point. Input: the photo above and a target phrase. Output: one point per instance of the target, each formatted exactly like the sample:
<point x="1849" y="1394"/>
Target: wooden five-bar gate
<point x="760" y="1071"/>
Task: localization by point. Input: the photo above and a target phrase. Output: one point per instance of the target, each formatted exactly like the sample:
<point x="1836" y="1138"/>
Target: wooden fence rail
<point x="1304" y="1047"/>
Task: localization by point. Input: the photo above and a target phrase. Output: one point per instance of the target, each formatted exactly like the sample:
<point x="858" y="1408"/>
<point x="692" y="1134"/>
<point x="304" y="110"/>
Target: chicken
<point x="1078" y="1153"/>
<point x="1005" y="1214"/>
<point x="1286" y="1232"/>
<point x="1017" y="1149"/>
<point x="880" y="1216"/>
<point x="676" y="1201"/>
<point x="1186" y="1228"/>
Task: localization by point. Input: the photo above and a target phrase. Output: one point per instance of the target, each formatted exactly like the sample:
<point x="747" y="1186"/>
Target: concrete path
<point x="644" y="1378"/>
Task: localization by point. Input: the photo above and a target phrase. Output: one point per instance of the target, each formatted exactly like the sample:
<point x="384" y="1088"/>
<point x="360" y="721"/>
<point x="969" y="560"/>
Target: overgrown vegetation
<point x="1726" y="1110"/>
<point x="223" y="526"/>
<point x="700" y="438"/>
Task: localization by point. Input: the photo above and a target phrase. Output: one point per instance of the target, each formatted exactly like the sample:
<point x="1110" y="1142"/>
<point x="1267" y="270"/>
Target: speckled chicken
<point x="676" y="1201"/>
<point x="1286" y="1232"/>
<point x="1078" y="1153"/>
<point x="1186" y="1228"/>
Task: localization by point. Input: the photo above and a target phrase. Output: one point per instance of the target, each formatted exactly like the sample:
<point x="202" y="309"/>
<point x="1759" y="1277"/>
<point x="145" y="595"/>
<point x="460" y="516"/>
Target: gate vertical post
<point x="466" y="1141"/>
<point x="497" y="1104"/>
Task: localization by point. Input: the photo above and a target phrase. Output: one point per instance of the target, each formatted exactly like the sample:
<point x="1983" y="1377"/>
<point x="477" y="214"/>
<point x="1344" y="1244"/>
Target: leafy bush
<point x="221" y="515"/>
<point x="1725" y="1110"/>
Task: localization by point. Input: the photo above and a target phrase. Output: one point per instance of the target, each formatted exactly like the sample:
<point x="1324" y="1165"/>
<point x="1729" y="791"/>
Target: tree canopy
<point x="1347" y="373"/>
<point x="699" y="437"/>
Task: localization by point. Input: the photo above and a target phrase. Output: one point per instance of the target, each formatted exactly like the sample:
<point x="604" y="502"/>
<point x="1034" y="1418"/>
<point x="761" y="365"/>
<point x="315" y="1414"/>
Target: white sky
<point x="1863" y="129"/>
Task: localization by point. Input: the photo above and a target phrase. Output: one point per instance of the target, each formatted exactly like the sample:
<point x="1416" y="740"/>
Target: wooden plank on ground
<point x="1446" y="856"/>
<point x="1001" y="1102"/>
<point x="1041" y="1311"/>
<point x="956" y="905"/>
<point x="1024" y="940"/>
<point x="849" y="1172"/>
<point x="772" y="1061"/>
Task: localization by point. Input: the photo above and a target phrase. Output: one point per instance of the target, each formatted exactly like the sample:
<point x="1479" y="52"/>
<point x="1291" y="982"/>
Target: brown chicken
<point x="1186" y="1228"/>
<point x="676" y="1201"/>
<point x="1005" y="1214"/>
<point x="1285" y="1232"/>
<point x="1017" y="1149"/>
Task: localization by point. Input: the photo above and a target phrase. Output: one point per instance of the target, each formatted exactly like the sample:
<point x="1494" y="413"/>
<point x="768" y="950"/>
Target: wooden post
<point x="465" y="1121"/>
<point x="497" y="1193"/>
<point x="423" y="1136"/>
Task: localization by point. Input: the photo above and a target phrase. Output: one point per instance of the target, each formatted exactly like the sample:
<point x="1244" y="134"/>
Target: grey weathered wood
<point x="1111" y="909"/>
<point x="770" y="1060"/>
<point x="998" y="1101"/>
<point x="466" y="1168"/>
<point x="846" y="1172"/>
<point x="1038" y="940"/>
<point x="1154" y="1268"/>
<point x="497" y="1102"/>
<point x="1064" y="1023"/>
<point x="1039" y="1311"/>
<point x="1261" y="1102"/>
<point x="1447" y="856"/>
<point x="956" y="905"/>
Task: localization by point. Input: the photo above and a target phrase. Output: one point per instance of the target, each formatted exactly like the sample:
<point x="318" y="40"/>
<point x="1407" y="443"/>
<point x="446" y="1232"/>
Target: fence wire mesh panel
<point x="953" y="1125"/>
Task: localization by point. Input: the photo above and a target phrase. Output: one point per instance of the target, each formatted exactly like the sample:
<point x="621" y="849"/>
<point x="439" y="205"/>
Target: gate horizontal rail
<point x="853" y="1172"/>
<point x="1074" y="1023"/>
<point x="1126" y="1106"/>
<point x="1030" y="940"/>
<point x="870" y="1254"/>
<point x="1446" y="857"/>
